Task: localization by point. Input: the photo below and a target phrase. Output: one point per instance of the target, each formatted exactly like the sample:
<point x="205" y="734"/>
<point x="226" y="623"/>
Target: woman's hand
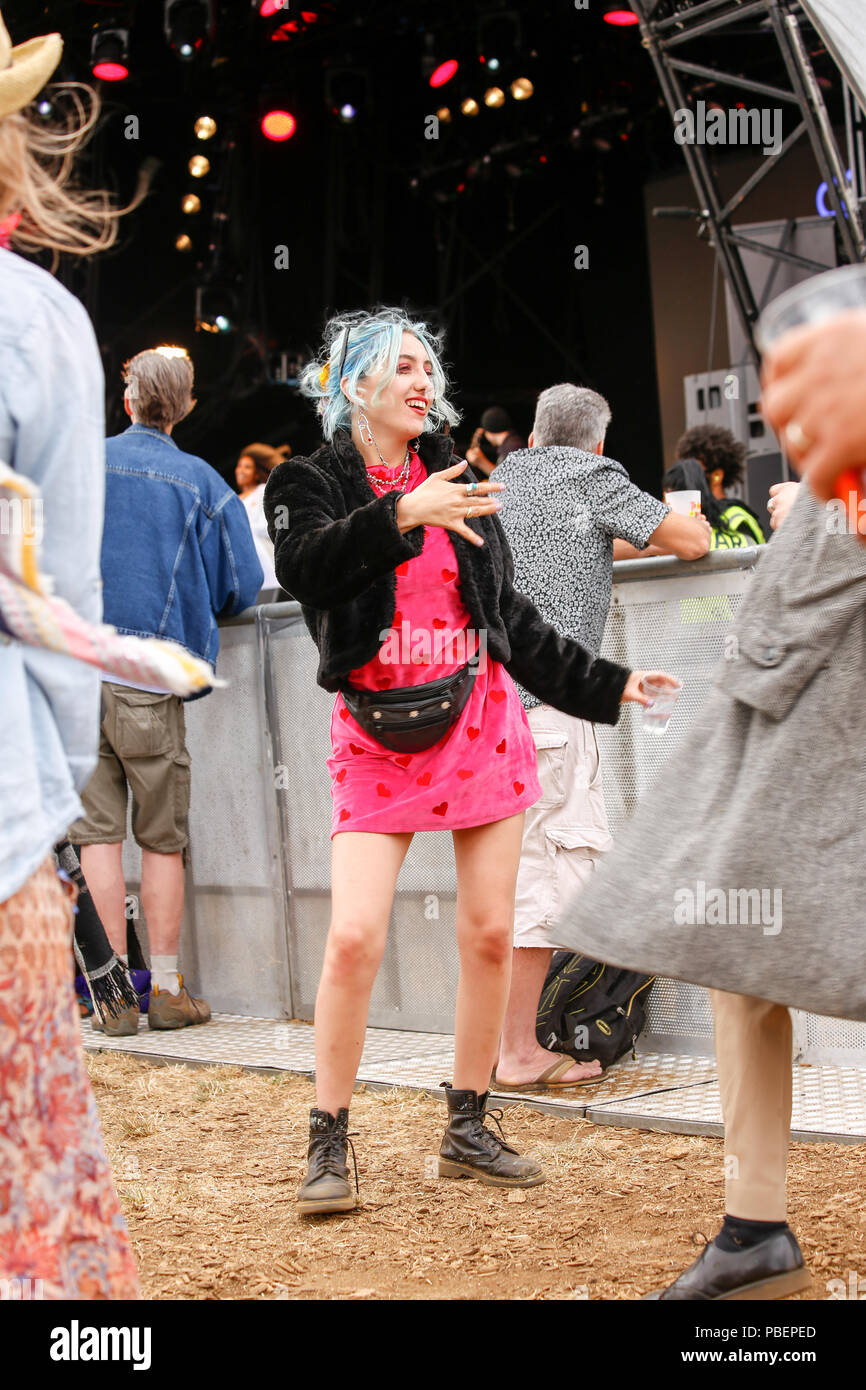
<point x="437" y="502"/>
<point x="633" y="685"/>
<point x="782" y="498"/>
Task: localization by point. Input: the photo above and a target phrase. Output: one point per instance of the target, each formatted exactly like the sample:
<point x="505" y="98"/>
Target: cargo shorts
<point x="142" y="750"/>
<point x="566" y="832"/>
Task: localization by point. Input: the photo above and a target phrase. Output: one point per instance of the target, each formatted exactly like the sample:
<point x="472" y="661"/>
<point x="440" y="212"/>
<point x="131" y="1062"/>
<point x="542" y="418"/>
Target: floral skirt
<point x="61" y="1227"/>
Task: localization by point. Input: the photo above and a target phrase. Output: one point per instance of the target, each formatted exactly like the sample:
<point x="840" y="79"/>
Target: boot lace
<point x="329" y="1156"/>
<point x="492" y="1142"/>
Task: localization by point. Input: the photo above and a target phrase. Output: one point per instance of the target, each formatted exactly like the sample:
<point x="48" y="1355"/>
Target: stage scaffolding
<point x="667" y="28"/>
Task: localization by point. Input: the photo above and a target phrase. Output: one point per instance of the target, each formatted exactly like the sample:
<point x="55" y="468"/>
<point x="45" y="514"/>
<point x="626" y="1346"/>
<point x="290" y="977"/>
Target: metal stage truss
<point x="667" y="26"/>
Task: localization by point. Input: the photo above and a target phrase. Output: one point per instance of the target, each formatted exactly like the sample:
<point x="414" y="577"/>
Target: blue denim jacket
<point x="177" y="549"/>
<point x="52" y="430"/>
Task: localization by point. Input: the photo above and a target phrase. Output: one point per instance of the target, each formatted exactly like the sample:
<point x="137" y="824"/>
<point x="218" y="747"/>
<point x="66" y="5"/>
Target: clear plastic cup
<point x="663" y="699"/>
<point x="812" y="301"/>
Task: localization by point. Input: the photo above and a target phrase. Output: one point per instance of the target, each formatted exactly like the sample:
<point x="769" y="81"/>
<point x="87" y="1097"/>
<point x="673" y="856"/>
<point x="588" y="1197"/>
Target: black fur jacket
<point x="337" y="545"/>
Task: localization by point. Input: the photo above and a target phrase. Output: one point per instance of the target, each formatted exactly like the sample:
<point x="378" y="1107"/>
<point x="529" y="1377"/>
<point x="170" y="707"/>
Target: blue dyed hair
<point x="374" y="341"/>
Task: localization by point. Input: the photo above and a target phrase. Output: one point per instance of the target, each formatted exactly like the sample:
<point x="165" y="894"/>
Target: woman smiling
<point x="381" y="531"/>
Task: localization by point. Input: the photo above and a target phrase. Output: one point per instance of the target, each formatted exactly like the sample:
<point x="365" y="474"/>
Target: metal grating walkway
<point x="659" y="1091"/>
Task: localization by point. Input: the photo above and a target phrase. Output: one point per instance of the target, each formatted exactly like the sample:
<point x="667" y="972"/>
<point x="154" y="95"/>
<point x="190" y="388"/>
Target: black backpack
<point x="591" y="1011"/>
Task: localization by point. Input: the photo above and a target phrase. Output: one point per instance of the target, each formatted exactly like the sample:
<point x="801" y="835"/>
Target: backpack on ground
<point x="592" y="1011"/>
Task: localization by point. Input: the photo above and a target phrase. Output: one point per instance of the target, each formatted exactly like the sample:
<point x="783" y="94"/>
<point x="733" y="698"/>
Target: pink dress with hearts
<point x="484" y="769"/>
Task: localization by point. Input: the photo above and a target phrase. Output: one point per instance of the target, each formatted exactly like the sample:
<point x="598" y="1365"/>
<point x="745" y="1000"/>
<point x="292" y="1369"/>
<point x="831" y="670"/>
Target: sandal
<point x="548" y="1080"/>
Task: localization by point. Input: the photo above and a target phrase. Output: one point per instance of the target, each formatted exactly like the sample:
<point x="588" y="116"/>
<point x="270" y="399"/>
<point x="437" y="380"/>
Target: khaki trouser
<point x="753" y="1052"/>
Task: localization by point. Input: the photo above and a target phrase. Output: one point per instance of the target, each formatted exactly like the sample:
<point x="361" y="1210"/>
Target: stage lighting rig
<point x="188" y="24"/>
<point x="109" y="53"/>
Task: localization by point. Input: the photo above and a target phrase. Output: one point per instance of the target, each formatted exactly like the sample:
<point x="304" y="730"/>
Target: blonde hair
<point x="36" y="179"/>
<point x="158" y="388"/>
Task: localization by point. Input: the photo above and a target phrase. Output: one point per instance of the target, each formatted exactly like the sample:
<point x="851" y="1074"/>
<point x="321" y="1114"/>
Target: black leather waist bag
<point x="416" y="716"/>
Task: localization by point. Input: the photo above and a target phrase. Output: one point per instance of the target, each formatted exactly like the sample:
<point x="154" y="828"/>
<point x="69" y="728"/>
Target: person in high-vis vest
<point x="723" y="459"/>
<point x="733" y="524"/>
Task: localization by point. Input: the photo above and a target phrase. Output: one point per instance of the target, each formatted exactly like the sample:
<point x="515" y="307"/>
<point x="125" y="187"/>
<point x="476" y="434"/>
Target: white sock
<point x="163" y="974"/>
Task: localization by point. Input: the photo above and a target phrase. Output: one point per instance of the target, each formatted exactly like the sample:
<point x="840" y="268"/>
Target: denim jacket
<point x="177" y="549"/>
<point x="52" y="430"/>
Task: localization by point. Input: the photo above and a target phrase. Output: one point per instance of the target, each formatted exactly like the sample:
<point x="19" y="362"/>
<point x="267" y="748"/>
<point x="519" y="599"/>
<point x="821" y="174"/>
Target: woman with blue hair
<point x="405" y="578"/>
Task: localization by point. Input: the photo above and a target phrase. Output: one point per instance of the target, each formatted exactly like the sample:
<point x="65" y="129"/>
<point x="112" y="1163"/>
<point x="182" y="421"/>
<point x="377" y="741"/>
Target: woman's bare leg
<point x="364" y="870"/>
<point x="488" y="857"/>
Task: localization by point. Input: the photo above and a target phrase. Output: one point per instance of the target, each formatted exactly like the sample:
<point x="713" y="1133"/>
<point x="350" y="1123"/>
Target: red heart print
<point x="439" y="623"/>
<point x="344" y="814"/>
<point x="344" y="714"/>
<point x="501" y="747"/>
<point x="497" y="696"/>
<point x="403" y="569"/>
<point x="424" y="779"/>
<point x="404" y="759"/>
<point x="464" y="772"/>
<point x="518" y="787"/>
<point x="384" y="683"/>
<point x="448" y="575"/>
<point x="341" y="775"/>
<point x="441" y="809"/>
<point x="472" y="733"/>
<point x="383" y="790"/>
<point x="355" y="749"/>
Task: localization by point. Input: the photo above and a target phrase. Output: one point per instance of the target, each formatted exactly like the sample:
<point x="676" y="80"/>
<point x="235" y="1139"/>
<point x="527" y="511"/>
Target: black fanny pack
<point x="415" y="717"/>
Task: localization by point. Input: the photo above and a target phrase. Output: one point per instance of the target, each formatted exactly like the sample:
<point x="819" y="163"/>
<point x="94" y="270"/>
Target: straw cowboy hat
<point x="25" y="69"/>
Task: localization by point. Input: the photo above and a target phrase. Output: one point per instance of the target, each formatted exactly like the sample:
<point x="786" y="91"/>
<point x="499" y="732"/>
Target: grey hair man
<point x="567" y="509"/>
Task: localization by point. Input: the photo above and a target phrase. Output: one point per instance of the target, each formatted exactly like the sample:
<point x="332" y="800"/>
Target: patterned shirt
<point x="561" y="512"/>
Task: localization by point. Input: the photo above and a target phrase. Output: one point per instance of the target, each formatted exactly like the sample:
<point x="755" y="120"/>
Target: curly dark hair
<point x="715" y="447"/>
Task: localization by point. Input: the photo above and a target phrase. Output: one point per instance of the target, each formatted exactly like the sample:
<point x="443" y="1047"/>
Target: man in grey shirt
<point x="565" y="508"/>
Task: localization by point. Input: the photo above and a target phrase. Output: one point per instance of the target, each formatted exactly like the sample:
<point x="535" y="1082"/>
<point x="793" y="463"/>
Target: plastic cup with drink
<point x="663" y="698"/>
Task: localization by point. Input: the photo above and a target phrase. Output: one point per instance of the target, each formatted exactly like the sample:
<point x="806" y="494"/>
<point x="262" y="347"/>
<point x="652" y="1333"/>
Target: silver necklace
<point x="383" y="485"/>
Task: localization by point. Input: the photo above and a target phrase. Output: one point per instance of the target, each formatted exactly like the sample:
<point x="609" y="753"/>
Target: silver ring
<point x="797" y="437"/>
<point x="470" y="488"/>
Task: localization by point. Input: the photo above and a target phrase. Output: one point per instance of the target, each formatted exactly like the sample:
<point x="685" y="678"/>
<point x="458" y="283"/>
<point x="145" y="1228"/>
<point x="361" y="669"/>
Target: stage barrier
<point x="258" y="879"/>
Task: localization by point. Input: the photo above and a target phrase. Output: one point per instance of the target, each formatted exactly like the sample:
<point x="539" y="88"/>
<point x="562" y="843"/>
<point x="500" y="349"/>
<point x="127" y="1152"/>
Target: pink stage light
<point x="278" y="125"/>
<point x="110" y="72"/>
<point x="444" y="72"/>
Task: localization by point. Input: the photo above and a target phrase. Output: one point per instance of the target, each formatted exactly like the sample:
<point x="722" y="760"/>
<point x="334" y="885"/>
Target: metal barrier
<point x="258" y="903"/>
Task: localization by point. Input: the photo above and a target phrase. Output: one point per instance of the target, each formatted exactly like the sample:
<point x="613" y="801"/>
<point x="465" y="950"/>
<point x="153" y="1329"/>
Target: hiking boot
<point x="326" y="1186"/>
<point x="469" y="1150"/>
<point x="180" y="1010"/>
<point x="124" y="1026"/>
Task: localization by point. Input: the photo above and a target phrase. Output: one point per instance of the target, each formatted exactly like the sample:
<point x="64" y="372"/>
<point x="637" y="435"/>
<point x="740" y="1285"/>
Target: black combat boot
<point x="326" y="1186"/>
<point x="468" y="1150"/>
